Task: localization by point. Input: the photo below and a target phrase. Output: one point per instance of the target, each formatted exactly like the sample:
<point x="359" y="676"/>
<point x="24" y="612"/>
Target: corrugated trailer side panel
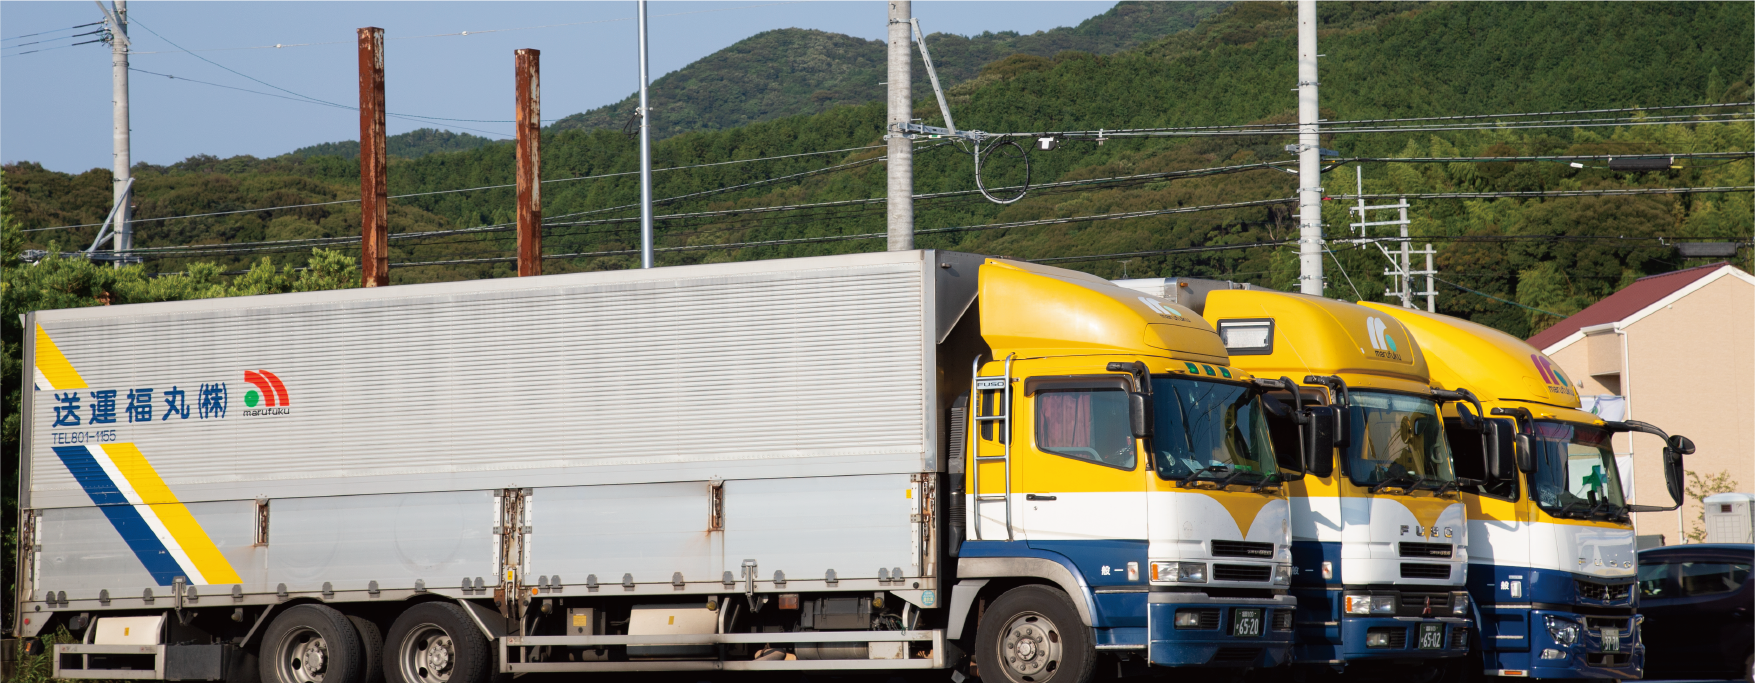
<point x="360" y="415"/>
<point x="782" y="371"/>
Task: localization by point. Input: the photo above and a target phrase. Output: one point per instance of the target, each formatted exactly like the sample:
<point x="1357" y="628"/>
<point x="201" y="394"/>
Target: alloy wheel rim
<point x="1030" y="647"/>
<point x="303" y="656"/>
<point x="427" y="655"/>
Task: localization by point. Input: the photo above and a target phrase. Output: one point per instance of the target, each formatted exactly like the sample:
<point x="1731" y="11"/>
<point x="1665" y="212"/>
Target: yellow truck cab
<point x="1110" y="436"/>
<point x="1378" y="527"/>
<point x="1551" y="546"/>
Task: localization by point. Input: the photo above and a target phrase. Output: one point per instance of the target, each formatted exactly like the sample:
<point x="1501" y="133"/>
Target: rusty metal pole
<point x="529" y="156"/>
<point x="374" y="181"/>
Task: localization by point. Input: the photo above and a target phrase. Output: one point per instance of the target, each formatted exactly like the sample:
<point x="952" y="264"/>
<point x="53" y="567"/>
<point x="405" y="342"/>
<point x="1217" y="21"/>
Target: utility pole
<point x="901" y="149"/>
<point x="1309" y="156"/>
<point x="646" y="260"/>
<point x="529" y="155"/>
<point x="120" y="189"/>
<point x="1431" y="294"/>
<point x="374" y="181"/>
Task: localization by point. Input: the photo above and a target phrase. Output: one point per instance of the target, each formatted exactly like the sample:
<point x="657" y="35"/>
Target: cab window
<point x="1085" y="424"/>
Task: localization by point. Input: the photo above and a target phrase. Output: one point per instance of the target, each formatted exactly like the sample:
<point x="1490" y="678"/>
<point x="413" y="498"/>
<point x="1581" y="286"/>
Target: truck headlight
<point x="1459" y="603"/>
<point x="1184" y="572"/>
<point x="1283" y="575"/>
<point x="1370" y="604"/>
<point x="1564" y="632"/>
<point x="1187" y="618"/>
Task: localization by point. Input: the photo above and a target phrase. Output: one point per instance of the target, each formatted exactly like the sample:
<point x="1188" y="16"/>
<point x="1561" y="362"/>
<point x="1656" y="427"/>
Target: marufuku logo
<point x="1379" y="332"/>
<point x="269" y="397"/>
<point x="1551" y="374"/>
<point x="1159" y="307"/>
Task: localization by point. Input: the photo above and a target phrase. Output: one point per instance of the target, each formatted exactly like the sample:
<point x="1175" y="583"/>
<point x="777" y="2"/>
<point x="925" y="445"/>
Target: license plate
<point x="1431" y="636"/>
<point x="1246" y="622"/>
<point x="1611" y="640"/>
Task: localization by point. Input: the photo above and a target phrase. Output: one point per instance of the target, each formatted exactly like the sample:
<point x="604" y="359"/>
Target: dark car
<point x="1698" y="605"/>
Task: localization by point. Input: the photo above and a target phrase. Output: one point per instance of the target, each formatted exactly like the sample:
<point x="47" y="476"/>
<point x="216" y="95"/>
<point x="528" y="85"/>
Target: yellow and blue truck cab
<point x="1552" y="549"/>
<point x="1110" y="435"/>
<point x="1379" y="538"/>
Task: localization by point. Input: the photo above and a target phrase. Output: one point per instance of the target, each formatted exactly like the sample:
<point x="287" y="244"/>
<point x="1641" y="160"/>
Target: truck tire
<point x="371" y="649"/>
<point x="435" y="642"/>
<point x="1032" y="634"/>
<point x="311" y="644"/>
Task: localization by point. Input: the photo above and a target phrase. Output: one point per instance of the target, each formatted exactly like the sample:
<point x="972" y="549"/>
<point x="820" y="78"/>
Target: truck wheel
<point x="311" y="644"/>
<point x="1032" y="634"/>
<point x="435" y="642"/>
<point x="371" y="650"/>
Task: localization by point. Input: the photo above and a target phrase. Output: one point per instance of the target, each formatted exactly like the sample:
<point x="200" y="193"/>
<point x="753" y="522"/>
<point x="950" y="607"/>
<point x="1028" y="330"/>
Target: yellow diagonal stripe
<point x="54" y="366"/>
<point x="172" y="513"/>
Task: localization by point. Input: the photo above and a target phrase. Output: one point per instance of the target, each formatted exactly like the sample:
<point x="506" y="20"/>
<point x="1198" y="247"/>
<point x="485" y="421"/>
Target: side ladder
<point x="1003" y="420"/>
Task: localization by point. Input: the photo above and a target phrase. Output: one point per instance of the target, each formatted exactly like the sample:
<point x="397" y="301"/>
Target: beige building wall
<point x="1689" y="369"/>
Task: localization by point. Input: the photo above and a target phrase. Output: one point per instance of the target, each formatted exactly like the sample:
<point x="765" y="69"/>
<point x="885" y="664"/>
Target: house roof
<point x="1619" y="306"/>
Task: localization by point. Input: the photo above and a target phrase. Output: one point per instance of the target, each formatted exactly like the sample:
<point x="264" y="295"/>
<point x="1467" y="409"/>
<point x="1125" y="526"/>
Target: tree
<point x="1698" y="488"/>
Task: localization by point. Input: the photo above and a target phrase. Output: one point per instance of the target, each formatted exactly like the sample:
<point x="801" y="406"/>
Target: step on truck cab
<point x="1378" y="531"/>
<point x="898" y="460"/>
<point x="1553" y="562"/>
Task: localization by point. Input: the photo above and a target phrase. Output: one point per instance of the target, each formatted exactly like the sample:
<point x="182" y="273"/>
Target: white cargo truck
<point x="742" y="466"/>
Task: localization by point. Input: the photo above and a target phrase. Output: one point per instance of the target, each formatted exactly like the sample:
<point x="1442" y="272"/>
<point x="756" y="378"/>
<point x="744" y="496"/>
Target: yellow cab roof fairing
<point x="1036" y="311"/>
<point x="1313" y="335"/>
<point x="1494" y="365"/>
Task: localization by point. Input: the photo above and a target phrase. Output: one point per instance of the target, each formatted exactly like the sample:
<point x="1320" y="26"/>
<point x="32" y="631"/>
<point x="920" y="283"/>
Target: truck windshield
<point x="1397" y="441"/>
<point x="1575" y="469"/>
<point x="1209" y="431"/>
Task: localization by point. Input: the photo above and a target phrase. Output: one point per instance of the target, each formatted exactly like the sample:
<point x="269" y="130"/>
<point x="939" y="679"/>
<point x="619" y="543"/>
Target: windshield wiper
<point x="1402" y="481"/>
<point x="1567" y="508"/>
<point x="1235" y="473"/>
<point x="1447" y="487"/>
<point x="1269" y="480"/>
<point x="1195" y="475"/>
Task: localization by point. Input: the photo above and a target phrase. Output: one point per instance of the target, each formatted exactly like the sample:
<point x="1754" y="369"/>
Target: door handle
<point x="1032" y="496"/>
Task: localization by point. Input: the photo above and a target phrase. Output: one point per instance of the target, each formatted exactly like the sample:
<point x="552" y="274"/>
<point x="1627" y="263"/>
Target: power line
<point x="1262" y="128"/>
<point x="44" y="33"/>
<point x="1161" y="252"/>
<point x="1490" y="296"/>
<point x="1547" y="193"/>
<point x="484" y="187"/>
<point x="279" y="46"/>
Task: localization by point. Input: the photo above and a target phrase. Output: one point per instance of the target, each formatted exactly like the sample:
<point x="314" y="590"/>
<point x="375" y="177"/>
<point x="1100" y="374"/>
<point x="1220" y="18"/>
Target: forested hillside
<point x="787" y="72"/>
<point x="414" y="143"/>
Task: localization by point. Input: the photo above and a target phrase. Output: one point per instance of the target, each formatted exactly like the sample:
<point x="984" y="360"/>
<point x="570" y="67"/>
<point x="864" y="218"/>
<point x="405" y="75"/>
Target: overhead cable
<point x="278" y="46"/>
<point x="44" y="33"/>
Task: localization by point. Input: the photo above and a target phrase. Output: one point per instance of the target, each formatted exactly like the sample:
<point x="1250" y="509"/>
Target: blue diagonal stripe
<point x="123" y="516"/>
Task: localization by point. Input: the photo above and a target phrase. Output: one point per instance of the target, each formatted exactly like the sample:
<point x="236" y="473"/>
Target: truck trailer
<point x="906" y="460"/>
<point x="1552" y="557"/>
<point x="1379" y="534"/>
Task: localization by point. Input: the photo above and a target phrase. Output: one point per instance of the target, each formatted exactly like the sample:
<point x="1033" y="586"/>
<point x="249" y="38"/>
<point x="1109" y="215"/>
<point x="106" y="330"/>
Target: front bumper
<point x="1587" y="658"/>
<point x="1403" y="638"/>
<point x="1216" y="646"/>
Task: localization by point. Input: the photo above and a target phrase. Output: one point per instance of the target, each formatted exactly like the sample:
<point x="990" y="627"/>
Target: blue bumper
<point x="1589" y="657"/>
<point x="1366" y="638"/>
<point x="1214" y="645"/>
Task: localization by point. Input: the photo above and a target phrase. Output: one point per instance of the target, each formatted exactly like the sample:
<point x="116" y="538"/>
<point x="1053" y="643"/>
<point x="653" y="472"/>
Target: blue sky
<point x="55" y="104"/>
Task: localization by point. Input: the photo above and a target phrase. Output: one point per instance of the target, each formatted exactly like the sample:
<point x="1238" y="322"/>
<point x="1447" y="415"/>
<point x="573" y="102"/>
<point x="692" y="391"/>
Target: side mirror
<point x="1495" y="463"/>
<point x="1673" y="472"/>
<point x="1319" y="441"/>
<point x="1681" y="445"/>
<point x="1526" y="460"/>
<point x="1139" y="415"/>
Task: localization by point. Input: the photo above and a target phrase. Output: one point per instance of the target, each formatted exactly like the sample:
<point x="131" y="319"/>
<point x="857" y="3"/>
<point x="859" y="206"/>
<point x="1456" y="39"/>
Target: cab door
<point x="1078" y="476"/>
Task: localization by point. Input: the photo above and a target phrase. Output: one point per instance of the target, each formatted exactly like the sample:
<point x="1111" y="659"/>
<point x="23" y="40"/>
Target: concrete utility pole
<point x="646" y="260"/>
<point x="529" y="155"/>
<point x="117" y="17"/>
<point x="374" y="181"/>
<point x="901" y="149"/>
<point x="1309" y="156"/>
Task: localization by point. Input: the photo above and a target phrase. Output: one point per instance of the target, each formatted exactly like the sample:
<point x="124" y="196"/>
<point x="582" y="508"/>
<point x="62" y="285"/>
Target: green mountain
<point x="414" y="143"/>
<point x="788" y="72"/>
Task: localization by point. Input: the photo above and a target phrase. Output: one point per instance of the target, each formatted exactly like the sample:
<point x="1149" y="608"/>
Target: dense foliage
<point x="787" y="72"/>
<point x="414" y="143"/>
